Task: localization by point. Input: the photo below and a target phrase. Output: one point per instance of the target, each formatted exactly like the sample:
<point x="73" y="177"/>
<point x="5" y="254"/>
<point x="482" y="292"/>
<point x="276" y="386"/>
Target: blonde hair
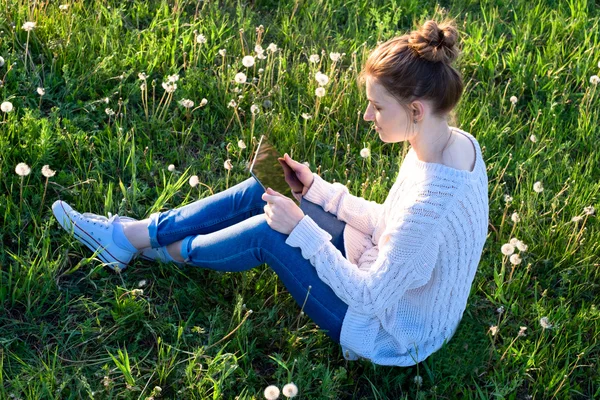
<point x="418" y="66"/>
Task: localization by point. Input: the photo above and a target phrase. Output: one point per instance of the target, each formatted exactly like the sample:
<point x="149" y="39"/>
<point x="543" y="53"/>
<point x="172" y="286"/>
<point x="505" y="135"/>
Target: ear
<point x="418" y="110"/>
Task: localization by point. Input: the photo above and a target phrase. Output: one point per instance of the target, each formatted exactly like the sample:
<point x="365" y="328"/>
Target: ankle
<point x="174" y="250"/>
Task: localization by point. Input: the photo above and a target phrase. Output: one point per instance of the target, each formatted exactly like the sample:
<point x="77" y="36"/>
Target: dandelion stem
<point x="44" y="196"/>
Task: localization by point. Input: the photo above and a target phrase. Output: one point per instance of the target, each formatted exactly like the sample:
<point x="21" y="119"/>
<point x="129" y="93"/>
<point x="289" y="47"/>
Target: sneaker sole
<point x="89" y="242"/>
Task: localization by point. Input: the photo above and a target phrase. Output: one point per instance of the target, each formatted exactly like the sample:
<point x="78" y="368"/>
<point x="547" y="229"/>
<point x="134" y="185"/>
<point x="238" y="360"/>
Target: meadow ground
<point x="90" y="92"/>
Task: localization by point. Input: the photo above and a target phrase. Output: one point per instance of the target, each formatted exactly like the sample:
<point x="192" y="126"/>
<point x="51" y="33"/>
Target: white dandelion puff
<point x="227" y="165"/>
<point x="6" y="106"/>
<point x="254" y="109"/>
<point x="290" y="390"/>
<point x="365" y="153"/>
<point x="142" y="283"/>
<point x="241" y="144"/>
<point x="545" y="323"/>
<point x="240" y="77"/>
<point x="200" y="39"/>
<point x="272" y="47"/>
<point x="306" y="116"/>
<point x="507" y="249"/>
<point x="232" y="103"/>
<point x="194" y="180"/>
<point x="314" y="58"/>
<point x="173" y="78"/>
<point x="576" y="218"/>
<point x="508" y="198"/>
<point x="538" y="187"/>
<point x="186" y="103"/>
<point x="418" y="380"/>
<point x="171" y="168"/>
<point x="513" y="241"/>
<point x="109" y="111"/>
<point x="594" y="79"/>
<point x="321" y="78"/>
<point x="320" y="91"/>
<point x="515" y="259"/>
<point x="22" y="169"/>
<point x="41" y="91"/>
<point x="248" y="61"/>
<point x="521" y="246"/>
<point x="515" y="217"/>
<point x="590" y="210"/>
<point x="271" y="392"/>
<point x="203" y="102"/>
<point x="500" y="310"/>
<point x="513" y="99"/>
<point x="494" y="330"/>
<point x="47" y="172"/>
<point x="28" y="26"/>
<point x="63" y="7"/>
<point x="142" y="76"/>
<point x="522" y="330"/>
<point x="222" y="52"/>
<point x="335" y="57"/>
<point x="533" y="138"/>
<point x="1" y="61"/>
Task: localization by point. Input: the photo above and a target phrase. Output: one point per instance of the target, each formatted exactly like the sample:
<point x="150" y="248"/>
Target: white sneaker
<point x="96" y="232"/>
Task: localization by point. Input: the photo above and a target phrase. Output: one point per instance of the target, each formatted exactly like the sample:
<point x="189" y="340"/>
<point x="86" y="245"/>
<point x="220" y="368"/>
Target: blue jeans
<point x="228" y="232"/>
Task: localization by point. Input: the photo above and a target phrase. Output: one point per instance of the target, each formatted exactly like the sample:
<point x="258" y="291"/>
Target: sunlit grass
<point x="71" y="329"/>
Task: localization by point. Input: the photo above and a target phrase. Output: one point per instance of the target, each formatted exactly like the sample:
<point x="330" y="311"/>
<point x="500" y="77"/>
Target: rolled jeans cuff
<point x="185" y="248"/>
<point x="153" y="231"/>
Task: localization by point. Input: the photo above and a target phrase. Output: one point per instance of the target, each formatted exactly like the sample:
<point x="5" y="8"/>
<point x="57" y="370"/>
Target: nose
<point x="369" y="114"/>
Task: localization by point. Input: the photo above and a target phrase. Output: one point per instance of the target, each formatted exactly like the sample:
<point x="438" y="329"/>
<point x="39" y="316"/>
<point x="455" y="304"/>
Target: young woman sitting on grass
<point x="390" y="281"/>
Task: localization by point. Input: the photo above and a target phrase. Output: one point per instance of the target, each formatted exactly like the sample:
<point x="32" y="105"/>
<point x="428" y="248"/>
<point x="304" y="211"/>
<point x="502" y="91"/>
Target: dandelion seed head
<point x="6" y="106"/>
<point x="28" y="26"/>
<point x="594" y="79"/>
<point x="290" y="390"/>
<point x="320" y="91"/>
<point x="522" y="330"/>
<point x="507" y="249"/>
<point x="314" y="58"/>
<point x="500" y="310"/>
<point x="306" y="116"/>
<point x="186" y="103"/>
<point x="194" y="181"/>
<point x="173" y="78"/>
<point x="171" y="168"/>
<point x="240" y="77"/>
<point x="142" y="283"/>
<point x="254" y="109"/>
<point x="109" y="111"/>
<point x="321" y="78"/>
<point x="47" y="172"/>
<point x="515" y="217"/>
<point x="538" y="187"/>
<point x="589" y="210"/>
<point x="493" y="330"/>
<point x="200" y="39"/>
<point x="248" y="61"/>
<point x="222" y="52"/>
<point x="241" y="144"/>
<point x="63" y="7"/>
<point x="522" y="246"/>
<point x="576" y="218"/>
<point x="258" y="49"/>
<point x="418" y="380"/>
<point x="508" y="198"/>
<point x="41" y="91"/>
<point x="22" y="169"/>
<point x="271" y="392"/>
<point x="515" y="259"/>
<point x="227" y="165"/>
<point x="545" y="323"/>
<point x="1" y="61"/>
<point x="335" y="57"/>
<point x="203" y="102"/>
<point x="272" y="47"/>
<point x="533" y="138"/>
<point x="232" y="103"/>
<point x="365" y="153"/>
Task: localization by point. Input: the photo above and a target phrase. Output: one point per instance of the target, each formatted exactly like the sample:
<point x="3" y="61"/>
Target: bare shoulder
<point x="461" y="153"/>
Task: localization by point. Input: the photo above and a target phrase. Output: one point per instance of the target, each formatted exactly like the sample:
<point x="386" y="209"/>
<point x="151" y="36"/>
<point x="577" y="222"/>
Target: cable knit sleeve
<point x="334" y="198"/>
<point x="407" y="255"/>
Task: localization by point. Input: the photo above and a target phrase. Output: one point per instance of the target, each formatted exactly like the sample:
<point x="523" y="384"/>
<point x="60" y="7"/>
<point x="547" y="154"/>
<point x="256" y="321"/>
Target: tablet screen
<point x="269" y="171"/>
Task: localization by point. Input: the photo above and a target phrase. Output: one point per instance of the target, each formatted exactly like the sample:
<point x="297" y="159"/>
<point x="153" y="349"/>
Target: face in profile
<point x="390" y="119"/>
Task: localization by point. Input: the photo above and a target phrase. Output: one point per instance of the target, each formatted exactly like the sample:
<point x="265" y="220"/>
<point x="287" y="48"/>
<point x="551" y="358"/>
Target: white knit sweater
<point x="410" y="261"/>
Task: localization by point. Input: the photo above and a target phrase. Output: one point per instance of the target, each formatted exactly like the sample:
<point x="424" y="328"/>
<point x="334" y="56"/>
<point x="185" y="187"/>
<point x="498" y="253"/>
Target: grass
<point x="70" y="329"/>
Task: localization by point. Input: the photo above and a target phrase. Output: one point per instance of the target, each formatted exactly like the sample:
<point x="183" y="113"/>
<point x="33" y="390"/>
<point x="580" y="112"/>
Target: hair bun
<point x="435" y="43"/>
